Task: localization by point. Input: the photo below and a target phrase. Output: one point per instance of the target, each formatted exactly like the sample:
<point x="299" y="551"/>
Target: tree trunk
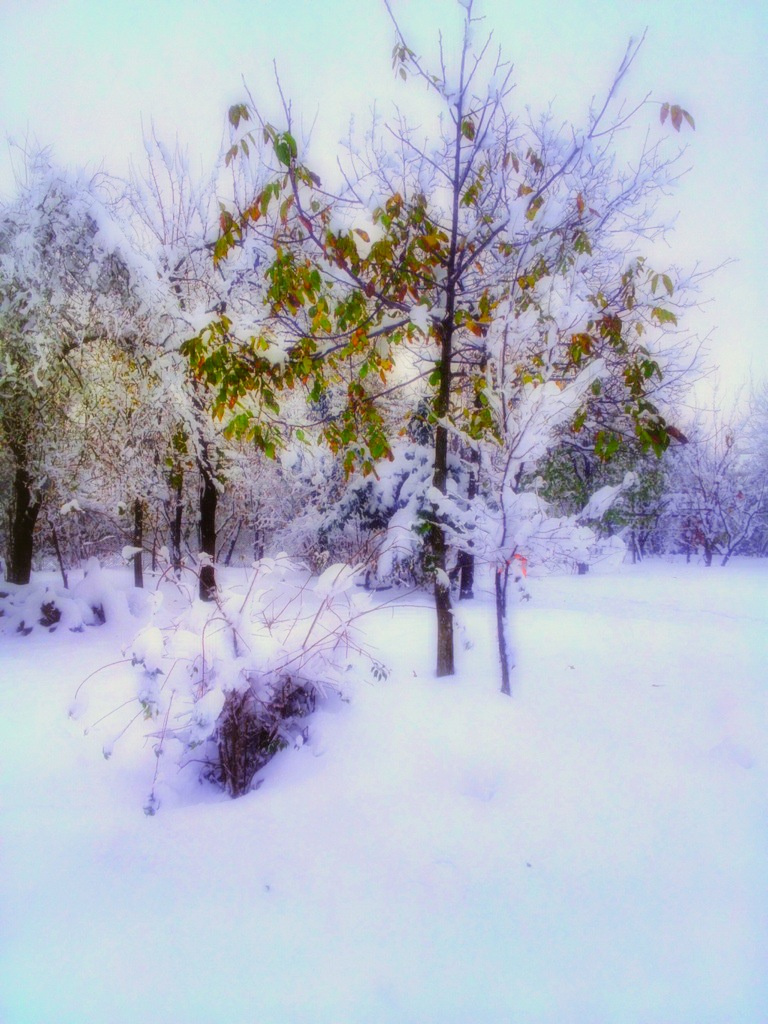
<point x="22" y="517"/>
<point x="466" y="558"/>
<point x="138" y="541"/>
<point x="642" y="544"/>
<point x="209" y="497"/>
<point x="708" y="552"/>
<point x="176" y="522"/>
<point x="438" y="546"/>
<point x="233" y="544"/>
<point x="59" y="556"/>
<point x="466" y="566"/>
<point x="505" y="653"/>
<point x="445" y="660"/>
<point x="258" y="544"/>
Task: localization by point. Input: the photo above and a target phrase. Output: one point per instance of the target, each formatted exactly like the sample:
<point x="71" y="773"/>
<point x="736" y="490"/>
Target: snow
<point x="604" y="497"/>
<point x="591" y="851"/>
<point x="420" y="318"/>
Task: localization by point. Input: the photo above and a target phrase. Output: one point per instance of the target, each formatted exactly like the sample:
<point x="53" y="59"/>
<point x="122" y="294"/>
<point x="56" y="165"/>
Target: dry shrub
<point x="251" y="731"/>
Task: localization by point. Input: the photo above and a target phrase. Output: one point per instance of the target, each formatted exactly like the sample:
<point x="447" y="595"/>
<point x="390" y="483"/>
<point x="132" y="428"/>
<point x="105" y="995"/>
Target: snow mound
<point x="99" y="598"/>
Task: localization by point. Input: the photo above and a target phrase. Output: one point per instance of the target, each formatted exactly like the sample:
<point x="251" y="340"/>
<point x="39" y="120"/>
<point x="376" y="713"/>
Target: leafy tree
<point x="572" y="472"/>
<point x="174" y="217"/>
<point x="68" y="280"/>
<point x="495" y="264"/>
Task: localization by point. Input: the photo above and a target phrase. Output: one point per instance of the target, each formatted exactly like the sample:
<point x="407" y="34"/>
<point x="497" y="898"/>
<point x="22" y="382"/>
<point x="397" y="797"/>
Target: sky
<point x="89" y="79"/>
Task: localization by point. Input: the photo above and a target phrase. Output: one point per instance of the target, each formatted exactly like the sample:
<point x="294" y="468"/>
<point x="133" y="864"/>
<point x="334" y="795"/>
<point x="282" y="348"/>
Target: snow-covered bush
<point x="382" y="520"/>
<point x="97" y="599"/>
<point x="232" y="680"/>
<point x="380" y="516"/>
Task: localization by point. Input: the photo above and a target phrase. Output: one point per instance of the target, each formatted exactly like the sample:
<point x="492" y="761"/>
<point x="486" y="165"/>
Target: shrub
<point x="230" y="682"/>
<point x="249" y="733"/>
<point x="99" y="598"/>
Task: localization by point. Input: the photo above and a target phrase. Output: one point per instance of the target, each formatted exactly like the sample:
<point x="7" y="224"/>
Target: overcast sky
<point x="83" y="76"/>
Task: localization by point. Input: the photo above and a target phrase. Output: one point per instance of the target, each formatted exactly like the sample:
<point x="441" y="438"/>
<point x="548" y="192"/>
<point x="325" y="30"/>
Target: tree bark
<point x="445" y="656"/>
<point x="466" y="558"/>
<point x="466" y="566"/>
<point x="258" y="544"/>
<point x="233" y="544"/>
<point x="138" y="541"/>
<point x="209" y="497"/>
<point x="443" y="610"/>
<point x="22" y="518"/>
<point x="59" y="557"/>
<point x="176" y="522"/>
<point x="501" y="582"/>
<point x="708" y="551"/>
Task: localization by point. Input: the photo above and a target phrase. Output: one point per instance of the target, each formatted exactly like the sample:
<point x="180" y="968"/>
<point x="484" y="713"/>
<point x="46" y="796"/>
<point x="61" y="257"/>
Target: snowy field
<point x="592" y="851"/>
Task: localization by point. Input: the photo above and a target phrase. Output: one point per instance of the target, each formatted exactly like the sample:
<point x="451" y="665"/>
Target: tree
<point x="496" y="262"/>
<point x="572" y="472"/>
<point x="755" y="431"/>
<point x="175" y="218"/>
<point x="67" y="280"/>
<point x="718" y="501"/>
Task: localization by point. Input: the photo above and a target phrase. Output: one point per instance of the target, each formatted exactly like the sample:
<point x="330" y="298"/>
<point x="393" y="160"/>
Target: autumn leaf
<point x="677" y="115"/>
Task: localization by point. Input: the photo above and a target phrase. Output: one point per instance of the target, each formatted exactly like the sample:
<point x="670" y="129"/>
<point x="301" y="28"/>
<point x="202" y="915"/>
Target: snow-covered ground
<point x="592" y="851"/>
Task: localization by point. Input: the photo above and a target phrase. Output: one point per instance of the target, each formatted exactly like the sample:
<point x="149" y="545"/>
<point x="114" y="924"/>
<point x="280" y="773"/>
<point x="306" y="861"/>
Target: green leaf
<point x="221" y="248"/>
<point x="283" y="152"/>
<point x="533" y="207"/>
<point x="664" y="316"/>
<point x="238" y="112"/>
<point x="606" y="445"/>
<point x="285" y="148"/>
<point x="581" y="243"/>
<point x="238" y="425"/>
